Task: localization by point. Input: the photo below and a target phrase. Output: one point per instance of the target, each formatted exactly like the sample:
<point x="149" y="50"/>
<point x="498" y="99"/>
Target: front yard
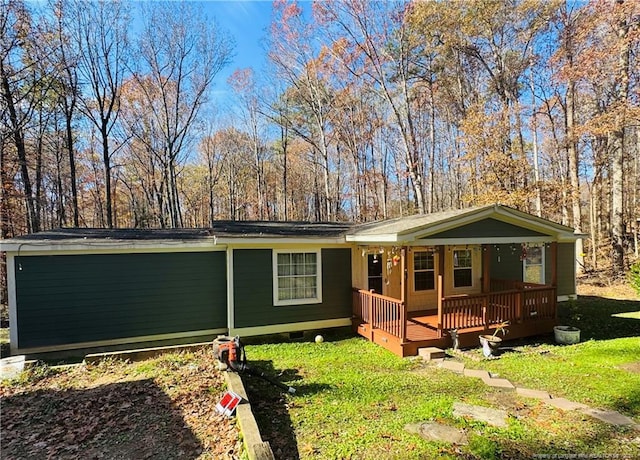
<point x="353" y="400"/>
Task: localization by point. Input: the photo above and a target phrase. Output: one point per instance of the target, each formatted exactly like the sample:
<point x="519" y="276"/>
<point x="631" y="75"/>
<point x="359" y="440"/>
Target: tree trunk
<point x="106" y="163"/>
<point x="72" y="166"/>
<point x="432" y="147"/>
<point x="617" y="205"/>
<point x="617" y="163"/>
<point x="574" y="179"/>
<point x="33" y="222"/>
<point x="536" y="161"/>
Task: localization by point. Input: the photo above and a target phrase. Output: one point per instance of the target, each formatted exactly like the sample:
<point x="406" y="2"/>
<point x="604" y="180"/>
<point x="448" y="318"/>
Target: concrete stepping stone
<point x="565" y="404"/>
<point x="495" y="417"/>
<point x="11" y="367"/>
<point x="537" y="394"/>
<point x="477" y="373"/>
<point x="611" y="417"/>
<point x="499" y="383"/>
<point x="431" y="353"/>
<point x="434" y="431"/>
<point x="454" y="366"/>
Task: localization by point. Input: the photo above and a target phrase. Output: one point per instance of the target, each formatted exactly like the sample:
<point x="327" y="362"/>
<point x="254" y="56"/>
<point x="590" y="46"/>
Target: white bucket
<point x="566" y="335"/>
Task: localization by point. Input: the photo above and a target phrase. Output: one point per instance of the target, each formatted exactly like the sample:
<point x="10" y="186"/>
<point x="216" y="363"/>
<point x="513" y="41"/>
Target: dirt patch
<point x="599" y="285"/>
<point x="512" y="403"/>
<point x="632" y="367"/>
<point x="159" y="408"/>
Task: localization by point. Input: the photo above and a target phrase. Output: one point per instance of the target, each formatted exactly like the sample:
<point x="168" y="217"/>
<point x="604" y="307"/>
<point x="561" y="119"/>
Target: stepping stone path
<point x="495" y="417"/>
<point x="434" y="431"/>
<point x="477" y="412"/>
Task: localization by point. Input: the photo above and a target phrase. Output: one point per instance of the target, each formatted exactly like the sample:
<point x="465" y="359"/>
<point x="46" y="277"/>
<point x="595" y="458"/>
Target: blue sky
<point x="248" y="23"/>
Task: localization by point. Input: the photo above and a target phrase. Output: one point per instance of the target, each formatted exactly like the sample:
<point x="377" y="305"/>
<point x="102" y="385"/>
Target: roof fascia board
<point x="504" y="215"/>
<point x="530" y="217"/>
<point x="373" y="239"/>
<point x="244" y="241"/>
<point x="124" y="246"/>
<point x="447" y="224"/>
<point x="536" y="224"/>
<point x="108" y="247"/>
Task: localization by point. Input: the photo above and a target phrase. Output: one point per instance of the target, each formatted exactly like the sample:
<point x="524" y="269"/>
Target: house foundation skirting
<point x="119" y="341"/>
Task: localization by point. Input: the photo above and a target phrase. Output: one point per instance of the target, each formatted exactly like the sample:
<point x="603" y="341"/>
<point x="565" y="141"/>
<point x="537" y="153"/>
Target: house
<point x="465" y="270"/>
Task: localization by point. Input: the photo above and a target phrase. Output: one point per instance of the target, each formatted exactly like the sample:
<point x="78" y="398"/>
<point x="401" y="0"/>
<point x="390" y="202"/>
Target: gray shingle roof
<point x="218" y="230"/>
<point x="402" y="224"/>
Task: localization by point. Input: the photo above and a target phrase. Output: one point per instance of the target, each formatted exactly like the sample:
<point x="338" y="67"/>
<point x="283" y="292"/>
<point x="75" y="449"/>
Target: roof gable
<point x="502" y="224"/>
<point x="486" y="228"/>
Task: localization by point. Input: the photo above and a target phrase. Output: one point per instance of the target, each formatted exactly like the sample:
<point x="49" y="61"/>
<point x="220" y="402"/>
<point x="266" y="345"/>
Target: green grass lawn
<point x="354" y="398"/>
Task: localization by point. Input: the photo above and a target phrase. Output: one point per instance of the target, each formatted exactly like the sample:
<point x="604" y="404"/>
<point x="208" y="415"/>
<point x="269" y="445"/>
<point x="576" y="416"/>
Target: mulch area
<point x="162" y="408"/>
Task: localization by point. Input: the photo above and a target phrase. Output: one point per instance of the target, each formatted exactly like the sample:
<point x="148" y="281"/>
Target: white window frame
<point x="542" y="262"/>
<point x="435" y="278"/>
<point x="454" y="268"/>
<point x="318" y="298"/>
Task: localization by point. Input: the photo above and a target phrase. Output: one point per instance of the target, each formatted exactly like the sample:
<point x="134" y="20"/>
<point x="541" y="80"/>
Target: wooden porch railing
<point x="381" y="312"/>
<point x="529" y="303"/>
<point x="498" y="285"/>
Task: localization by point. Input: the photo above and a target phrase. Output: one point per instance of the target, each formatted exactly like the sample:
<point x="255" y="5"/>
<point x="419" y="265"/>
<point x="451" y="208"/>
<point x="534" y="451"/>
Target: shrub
<point x="634" y="276"/>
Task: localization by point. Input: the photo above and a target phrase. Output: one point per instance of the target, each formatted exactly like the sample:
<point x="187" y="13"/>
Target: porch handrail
<point x="498" y="284"/>
<point x="381" y="312"/>
<point x="482" y="310"/>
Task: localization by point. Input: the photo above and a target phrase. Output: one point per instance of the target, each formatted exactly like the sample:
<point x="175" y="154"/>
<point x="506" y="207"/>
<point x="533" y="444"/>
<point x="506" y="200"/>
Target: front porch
<point x="417" y="278"/>
<point x="530" y="309"/>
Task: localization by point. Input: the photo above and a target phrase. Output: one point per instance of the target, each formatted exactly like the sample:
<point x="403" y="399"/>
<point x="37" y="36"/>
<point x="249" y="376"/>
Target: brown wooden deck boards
<point x="422" y="331"/>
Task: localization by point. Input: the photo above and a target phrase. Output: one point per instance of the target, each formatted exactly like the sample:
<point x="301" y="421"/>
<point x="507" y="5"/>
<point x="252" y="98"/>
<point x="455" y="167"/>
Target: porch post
<point x="441" y="269"/>
<point x="403" y="275"/>
<point x="403" y="292"/>
<point x="439" y="294"/>
<point x="486" y="268"/>
<point x="370" y="309"/>
<point x="554" y="264"/>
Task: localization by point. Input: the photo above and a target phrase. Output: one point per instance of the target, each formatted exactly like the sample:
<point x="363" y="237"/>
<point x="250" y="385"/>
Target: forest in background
<point x="366" y="111"/>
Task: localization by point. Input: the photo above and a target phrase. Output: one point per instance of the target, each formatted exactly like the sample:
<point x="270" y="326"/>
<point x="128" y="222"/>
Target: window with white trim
<point x="423" y="271"/>
<point x="462" y="268"/>
<point x="297" y="277"/>
<point x="533" y="265"/>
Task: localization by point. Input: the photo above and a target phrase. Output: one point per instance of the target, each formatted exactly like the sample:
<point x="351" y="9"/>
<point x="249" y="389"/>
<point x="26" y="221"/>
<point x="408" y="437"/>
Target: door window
<point x="374" y="263"/>
<point x="534" y="265"/>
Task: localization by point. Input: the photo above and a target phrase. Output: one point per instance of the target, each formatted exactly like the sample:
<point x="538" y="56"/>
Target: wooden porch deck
<point x="531" y="310"/>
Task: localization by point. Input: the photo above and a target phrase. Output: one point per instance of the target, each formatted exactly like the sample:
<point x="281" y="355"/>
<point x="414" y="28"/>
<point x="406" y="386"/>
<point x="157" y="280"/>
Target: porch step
<point x="429" y="353"/>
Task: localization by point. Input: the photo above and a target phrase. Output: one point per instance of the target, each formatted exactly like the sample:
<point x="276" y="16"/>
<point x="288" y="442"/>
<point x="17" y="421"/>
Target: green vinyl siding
<point x="505" y="262"/>
<point x="486" y="228"/>
<point x="253" y="290"/>
<point x="510" y="265"/>
<point x="566" y="268"/>
<point x="84" y="298"/>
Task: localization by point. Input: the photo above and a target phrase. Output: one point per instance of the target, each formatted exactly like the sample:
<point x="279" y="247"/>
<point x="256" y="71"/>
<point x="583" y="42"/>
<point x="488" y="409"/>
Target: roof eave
<point x="27" y="246"/>
<point x="372" y="239"/>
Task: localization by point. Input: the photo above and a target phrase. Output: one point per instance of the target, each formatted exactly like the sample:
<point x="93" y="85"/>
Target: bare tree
<point x="181" y="52"/>
<point x="18" y="87"/>
<point x="60" y="51"/>
<point x="100" y="32"/>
